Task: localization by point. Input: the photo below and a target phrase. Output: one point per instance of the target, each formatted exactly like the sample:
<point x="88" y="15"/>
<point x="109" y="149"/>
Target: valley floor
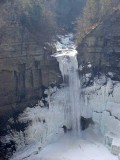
<point x="89" y="147"/>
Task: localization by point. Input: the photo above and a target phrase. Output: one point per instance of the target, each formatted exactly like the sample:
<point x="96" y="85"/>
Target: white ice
<point x="89" y="147"/>
<point x="68" y="65"/>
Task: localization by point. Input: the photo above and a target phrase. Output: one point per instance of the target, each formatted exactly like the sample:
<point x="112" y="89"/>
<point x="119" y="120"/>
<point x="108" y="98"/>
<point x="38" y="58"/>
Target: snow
<point x="111" y="74"/>
<point x="81" y="67"/>
<point x="89" y="65"/>
<point x="88" y="75"/>
<point x="89" y="147"/>
<point x="116" y="142"/>
<point x="114" y="108"/>
<point x="103" y="105"/>
<point x="115" y="146"/>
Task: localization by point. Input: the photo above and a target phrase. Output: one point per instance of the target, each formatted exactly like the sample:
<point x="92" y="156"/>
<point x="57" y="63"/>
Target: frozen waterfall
<point x="67" y="58"/>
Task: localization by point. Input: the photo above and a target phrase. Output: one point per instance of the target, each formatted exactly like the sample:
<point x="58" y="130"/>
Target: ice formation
<point x="69" y="68"/>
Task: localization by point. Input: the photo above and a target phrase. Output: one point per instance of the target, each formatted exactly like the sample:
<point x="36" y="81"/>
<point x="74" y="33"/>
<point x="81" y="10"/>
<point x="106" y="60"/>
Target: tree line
<point x="44" y="18"/>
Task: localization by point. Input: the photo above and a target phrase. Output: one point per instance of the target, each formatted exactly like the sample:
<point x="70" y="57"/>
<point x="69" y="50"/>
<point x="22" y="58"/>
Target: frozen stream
<point x="68" y="64"/>
<point x="89" y="147"/>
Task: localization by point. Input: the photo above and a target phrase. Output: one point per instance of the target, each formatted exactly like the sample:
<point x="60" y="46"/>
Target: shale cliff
<point x="100" y="48"/>
<point x="26" y="64"/>
<point x="22" y="75"/>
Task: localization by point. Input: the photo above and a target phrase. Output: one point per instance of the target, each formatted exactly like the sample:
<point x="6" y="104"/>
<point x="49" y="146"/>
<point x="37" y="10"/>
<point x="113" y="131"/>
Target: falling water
<point x="68" y="64"/>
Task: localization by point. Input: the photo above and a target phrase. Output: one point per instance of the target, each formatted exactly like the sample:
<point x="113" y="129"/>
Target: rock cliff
<point x="26" y="68"/>
<point x="101" y="48"/>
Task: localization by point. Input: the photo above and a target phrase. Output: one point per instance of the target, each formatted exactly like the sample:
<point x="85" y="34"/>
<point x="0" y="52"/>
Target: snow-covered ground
<point x="89" y="147"/>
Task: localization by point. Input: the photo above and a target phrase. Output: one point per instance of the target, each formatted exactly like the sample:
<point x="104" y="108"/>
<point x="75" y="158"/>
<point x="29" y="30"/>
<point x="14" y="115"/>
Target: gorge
<point x="59" y="98"/>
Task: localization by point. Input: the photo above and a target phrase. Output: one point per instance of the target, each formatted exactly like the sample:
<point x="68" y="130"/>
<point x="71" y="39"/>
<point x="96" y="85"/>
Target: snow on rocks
<point x="45" y="125"/>
<point x="89" y="147"/>
<point x="48" y="118"/>
<point x="81" y="67"/>
<point x="108" y="139"/>
<point x="114" y="109"/>
<point x="119" y="156"/>
<point x="103" y="103"/>
<point x="113" y="143"/>
<point x="115" y="146"/>
<point x="89" y="65"/>
<point x="65" y="42"/>
<point x="111" y="74"/>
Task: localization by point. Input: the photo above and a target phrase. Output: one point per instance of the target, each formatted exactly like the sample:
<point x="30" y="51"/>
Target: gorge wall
<point x="101" y="47"/>
<point x="26" y="64"/>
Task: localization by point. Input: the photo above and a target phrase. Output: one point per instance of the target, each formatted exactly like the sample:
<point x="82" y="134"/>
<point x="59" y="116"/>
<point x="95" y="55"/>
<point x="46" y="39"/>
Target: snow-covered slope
<point x="45" y="124"/>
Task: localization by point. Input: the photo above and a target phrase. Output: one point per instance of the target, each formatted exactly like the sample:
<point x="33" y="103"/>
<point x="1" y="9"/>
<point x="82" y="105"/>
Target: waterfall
<point x="67" y="58"/>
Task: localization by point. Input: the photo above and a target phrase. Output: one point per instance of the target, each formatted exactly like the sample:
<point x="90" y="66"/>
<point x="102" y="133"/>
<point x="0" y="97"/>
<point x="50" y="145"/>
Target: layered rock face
<point x="25" y="69"/>
<point x="101" y="47"/>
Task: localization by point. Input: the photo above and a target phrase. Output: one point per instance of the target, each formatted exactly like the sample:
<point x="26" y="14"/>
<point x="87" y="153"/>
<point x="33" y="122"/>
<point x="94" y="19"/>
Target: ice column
<point x="69" y="68"/>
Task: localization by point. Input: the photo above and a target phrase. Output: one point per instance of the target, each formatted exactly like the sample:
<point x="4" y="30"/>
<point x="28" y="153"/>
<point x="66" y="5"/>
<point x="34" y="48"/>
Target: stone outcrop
<point x="113" y="144"/>
<point x="101" y="48"/>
